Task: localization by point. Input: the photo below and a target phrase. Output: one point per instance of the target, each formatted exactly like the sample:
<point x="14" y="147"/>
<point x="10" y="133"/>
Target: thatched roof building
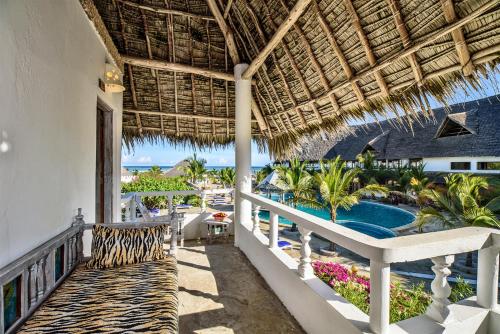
<point x="462" y="130"/>
<point x="315" y="63"/>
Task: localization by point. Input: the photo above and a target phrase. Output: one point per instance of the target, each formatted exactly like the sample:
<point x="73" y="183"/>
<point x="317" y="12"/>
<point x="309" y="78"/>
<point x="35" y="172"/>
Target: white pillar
<point x="487" y="277"/>
<point x="243" y="149"/>
<point x="380" y="285"/>
<point x="273" y="230"/>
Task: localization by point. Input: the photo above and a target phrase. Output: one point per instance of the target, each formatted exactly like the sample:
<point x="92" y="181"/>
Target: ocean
<point x="165" y="168"/>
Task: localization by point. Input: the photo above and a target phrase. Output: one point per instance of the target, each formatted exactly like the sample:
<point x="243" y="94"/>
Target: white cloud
<point x="144" y="160"/>
<point x="223" y="161"/>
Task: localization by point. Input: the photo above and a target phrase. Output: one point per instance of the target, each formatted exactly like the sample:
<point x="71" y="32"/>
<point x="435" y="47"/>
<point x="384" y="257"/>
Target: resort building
<point x="79" y="79"/>
<point x="461" y="138"/>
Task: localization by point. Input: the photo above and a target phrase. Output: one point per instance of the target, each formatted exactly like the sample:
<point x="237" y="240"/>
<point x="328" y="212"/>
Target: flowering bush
<point x="405" y="303"/>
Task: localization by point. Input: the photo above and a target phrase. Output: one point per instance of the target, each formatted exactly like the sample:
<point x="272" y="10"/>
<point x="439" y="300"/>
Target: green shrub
<point x="146" y="182"/>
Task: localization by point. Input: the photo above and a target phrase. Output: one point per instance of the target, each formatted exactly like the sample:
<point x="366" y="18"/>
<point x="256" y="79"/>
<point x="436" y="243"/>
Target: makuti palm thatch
<point x="341" y="60"/>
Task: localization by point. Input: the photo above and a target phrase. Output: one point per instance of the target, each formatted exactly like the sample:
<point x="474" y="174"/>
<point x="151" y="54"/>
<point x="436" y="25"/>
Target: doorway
<point x="104" y="164"/>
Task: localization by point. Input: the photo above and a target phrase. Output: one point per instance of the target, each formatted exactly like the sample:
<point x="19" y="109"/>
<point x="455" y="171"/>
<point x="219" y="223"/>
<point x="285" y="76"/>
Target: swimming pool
<point x="370" y="218"/>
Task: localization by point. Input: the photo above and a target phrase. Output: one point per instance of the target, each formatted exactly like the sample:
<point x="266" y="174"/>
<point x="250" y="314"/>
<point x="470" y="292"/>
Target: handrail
<point x="391" y="250"/>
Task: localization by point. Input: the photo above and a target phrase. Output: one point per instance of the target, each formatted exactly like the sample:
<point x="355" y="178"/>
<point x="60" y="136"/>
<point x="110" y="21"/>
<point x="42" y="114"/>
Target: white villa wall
<point x="50" y="62"/>
<point x="442" y="164"/>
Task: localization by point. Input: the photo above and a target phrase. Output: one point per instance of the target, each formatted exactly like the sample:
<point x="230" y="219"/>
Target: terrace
<point x="300" y="67"/>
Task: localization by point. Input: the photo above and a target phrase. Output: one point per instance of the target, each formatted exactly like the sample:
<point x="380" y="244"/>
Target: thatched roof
<point x="478" y="121"/>
<point x="340" y="60"/>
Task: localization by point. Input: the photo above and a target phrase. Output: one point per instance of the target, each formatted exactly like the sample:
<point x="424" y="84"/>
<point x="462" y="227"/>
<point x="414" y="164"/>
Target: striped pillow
<point x="113" y="247"/>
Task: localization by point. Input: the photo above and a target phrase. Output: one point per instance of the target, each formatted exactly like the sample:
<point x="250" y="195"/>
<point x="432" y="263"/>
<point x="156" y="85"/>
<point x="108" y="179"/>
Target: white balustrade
<point x="273" y="230"/>
<point x="256" y="219"/>
<point x="382" y="252"/>
<point x="439" y="309"/>
<point x="305" y="267"/>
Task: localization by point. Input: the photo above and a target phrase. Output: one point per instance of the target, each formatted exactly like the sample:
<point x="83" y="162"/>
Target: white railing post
<point x="487" y="277"/>
<point x="203" y="197"/>
<point x="133" y="208"/>
<point x="273" y="230"/>
<point x="170" y="199"/>
<point x="305" y="267"/>
<point x="439" y="309"/>
<point x="243" y="149"/>
<point x="256" y="219"/>
<point x="380" y="296"/>
<point x="174" y="226"/>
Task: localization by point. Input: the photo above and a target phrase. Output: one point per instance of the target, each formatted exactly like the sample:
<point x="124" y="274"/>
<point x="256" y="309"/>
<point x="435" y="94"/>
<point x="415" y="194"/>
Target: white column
<point x="273" y="230"/>
<point x="487" y="277"/>
<point x="380" y="284"/>
<point x="243" y="149"/>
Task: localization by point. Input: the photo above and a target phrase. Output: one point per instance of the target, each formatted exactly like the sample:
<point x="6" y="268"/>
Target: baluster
<point x="70" y="253"/>
<point x="128" y="210"/>
<point x="32" y="285"/>
<point x="133" y="208"/>
<point x="174" y="223"/>
<point x="487" y="277"/>
<point x="203" y="201"/>
<point x="380" y="284"/>
<point x="40" y="278"/>
<point x="79" y="221"/>
<point x="305" y="268"/>
<point x="256" y="219"/>
<point x="439" y="309"/>
<point x="170" y="203"/>
<point x="273" y="230"/>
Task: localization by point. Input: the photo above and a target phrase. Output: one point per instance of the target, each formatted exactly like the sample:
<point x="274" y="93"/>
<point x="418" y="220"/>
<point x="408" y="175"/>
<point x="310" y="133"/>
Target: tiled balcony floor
<point x="221" y="292"/>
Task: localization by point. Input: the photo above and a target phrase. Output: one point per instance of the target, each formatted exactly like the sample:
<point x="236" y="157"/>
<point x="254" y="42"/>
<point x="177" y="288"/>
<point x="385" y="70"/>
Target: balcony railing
<point x="440" y="247"/>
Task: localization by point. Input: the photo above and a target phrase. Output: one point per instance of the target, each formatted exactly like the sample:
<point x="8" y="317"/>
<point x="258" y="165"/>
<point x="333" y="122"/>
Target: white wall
<point x="50" y="62"/>
<point x="442" y="164"/>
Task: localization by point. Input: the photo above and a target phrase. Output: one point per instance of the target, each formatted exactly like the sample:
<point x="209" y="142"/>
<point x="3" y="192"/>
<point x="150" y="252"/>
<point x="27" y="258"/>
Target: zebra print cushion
<point x="139" y="298"/>
<point x="113" y="247"/>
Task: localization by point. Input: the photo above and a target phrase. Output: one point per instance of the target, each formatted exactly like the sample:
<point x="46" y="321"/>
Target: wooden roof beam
<point x="176" y="67"/>
<point x="228" y="7"/>
<point x="292" y="17"/>
<point x="366" y="46"/>
<point x="405" y="37"/>
<point x="162" y="10"/>
<point x="233" y="53"/>
<point x="458" y="37"/>
<point x="316" y="64"/>
<point x="338" y="52"/>
<point x="148" y="42"/>
<point x="173" y="114"/>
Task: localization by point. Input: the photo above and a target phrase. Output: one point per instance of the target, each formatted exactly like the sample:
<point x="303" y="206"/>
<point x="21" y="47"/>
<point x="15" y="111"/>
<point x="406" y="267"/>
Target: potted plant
<point x="219" y="216"/>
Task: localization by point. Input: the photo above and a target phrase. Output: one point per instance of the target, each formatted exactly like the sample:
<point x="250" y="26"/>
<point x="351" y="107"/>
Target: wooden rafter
<point x="458" y="37"/>
<point x="263" y="38"/>
<point x="481" y="57"/>
<point x="314" y="61"/>
<point x="296" y="70"/>
<point x="148" y="42"/>
<point x="366" y="46"/>
<point x="170" y="32"/>
<point x="228" y="8"/>
<point x="279" y="34"/>
<point x="233" y="52"/>
<point x="175" y="67"/>
<point x="129" y="69"/>
<point x="405" y="37"/>
<point x="327" y="30"/>
<point x="210" y="80"/>
<point x="178" y="115"/>
<point x="168" y="11"/>
<point x="193" y="86"/>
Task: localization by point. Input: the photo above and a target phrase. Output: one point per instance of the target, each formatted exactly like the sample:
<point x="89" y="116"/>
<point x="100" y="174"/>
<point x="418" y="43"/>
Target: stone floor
<point x="221" y="292"/>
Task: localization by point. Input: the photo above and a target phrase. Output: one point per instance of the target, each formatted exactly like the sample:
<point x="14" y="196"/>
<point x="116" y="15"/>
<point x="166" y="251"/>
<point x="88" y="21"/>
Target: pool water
<point x="370" y="218"/>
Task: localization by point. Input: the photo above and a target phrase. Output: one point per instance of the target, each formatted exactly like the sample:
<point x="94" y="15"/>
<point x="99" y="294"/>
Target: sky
<point x="167" y="155"/>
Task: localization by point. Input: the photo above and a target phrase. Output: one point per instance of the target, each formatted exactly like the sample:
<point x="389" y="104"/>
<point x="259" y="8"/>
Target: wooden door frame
<point x="104" y="163"/>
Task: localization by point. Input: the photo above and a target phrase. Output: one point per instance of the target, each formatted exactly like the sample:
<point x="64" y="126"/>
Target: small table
<point x="217" y="229"/>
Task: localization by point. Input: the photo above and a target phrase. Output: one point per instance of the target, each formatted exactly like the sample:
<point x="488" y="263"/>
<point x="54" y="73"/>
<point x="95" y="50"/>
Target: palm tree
<point x="459" y="205"/>
<point x="334" y="182"/>
<point x="154" y="171"/>
<point x="297" y="182"/>
<point x="263" y="173"/>
<point x="195" y="168"/>
<point x="227" y="176"/>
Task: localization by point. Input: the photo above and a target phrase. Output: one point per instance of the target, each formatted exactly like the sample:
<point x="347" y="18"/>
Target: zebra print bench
<point x="50" y="290"/>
